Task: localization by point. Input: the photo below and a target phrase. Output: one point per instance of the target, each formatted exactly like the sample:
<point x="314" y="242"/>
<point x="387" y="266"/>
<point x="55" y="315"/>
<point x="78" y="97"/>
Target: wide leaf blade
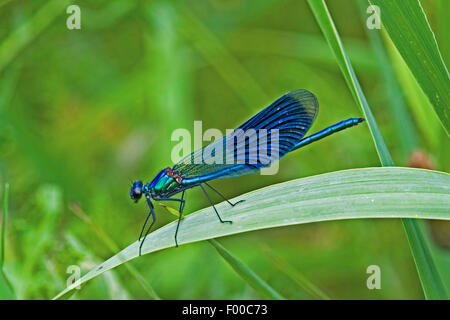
<point x="407" y="26"/>
<point x="390" y="192"/>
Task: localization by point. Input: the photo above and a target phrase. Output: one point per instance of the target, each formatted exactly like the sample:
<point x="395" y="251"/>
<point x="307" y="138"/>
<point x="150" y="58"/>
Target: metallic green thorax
<point x="165" y="183"/>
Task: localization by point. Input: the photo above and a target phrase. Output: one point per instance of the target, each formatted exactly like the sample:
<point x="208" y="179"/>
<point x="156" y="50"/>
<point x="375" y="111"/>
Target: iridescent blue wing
<point x="257" y="143"/>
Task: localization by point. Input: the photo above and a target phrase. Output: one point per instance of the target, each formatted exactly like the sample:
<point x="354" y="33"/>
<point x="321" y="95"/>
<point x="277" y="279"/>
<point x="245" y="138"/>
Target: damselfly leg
<point x="179" y="218"/>
<point x="215" y="210"/>
<point x="182" y="203"/>
<point x="152" y="213"/>
<point x="231" y="204"/>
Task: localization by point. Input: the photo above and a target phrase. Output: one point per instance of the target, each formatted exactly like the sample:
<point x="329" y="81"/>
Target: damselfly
<point x="254" y="145"/>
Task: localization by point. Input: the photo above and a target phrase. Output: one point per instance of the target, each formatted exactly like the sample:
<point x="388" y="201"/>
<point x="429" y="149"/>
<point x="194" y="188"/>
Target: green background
<point x="84" y="112"/>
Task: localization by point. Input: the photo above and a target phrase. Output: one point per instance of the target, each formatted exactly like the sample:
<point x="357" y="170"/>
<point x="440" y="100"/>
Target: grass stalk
<point x="260" y="286"/>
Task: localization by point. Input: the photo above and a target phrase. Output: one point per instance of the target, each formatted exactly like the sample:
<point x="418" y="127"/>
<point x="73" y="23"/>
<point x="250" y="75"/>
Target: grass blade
<point x="114" y="287"/>
<point x="391" y="192"/>
<point x="6" y="291"/>
<point x="418" y="247"/>
<point x="295" y="275"/>
<point x="432" y="284"/>
<point x="330" y="32"/>
<point x="260" y="286"/>
<point x="114" y="248"/>
<point x="3" y="230"/>
<point x="405" y="130"/>
<point x="429" y="124"/>
<point x="407" y="26"/>
<point x="301" y="46"/>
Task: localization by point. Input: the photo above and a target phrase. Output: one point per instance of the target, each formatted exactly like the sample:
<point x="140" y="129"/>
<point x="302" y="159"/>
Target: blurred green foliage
<point x="83" y="112"/>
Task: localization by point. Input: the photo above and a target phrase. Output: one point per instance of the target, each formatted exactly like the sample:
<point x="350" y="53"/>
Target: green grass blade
<point x="418" y="247"/>
<point x="330" y="32"/>
<point x="248" y="275"/>
<point x="432" y="284"/>
<point x="260" y="286"/>
<point x="301" y="46"/>
<point x="295" y="275"/>
<point x="407" y="138"/>
<point x="407" y="26"/>
<point x="113" y="247"/>
<point x="115" y="287"/>
<point x="443" y="28"/>
<point x="6" y="291"/>
<point x="418" y="102"/>
<point x="3" y="222"/>
<point x="391" y="192"/>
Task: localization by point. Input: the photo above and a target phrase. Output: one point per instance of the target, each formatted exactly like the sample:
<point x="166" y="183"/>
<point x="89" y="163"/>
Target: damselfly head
<point x="136" y="191"/>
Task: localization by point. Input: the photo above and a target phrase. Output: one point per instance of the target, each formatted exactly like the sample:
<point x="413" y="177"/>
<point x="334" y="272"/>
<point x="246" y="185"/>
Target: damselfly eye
<point x="136" y="191"/>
